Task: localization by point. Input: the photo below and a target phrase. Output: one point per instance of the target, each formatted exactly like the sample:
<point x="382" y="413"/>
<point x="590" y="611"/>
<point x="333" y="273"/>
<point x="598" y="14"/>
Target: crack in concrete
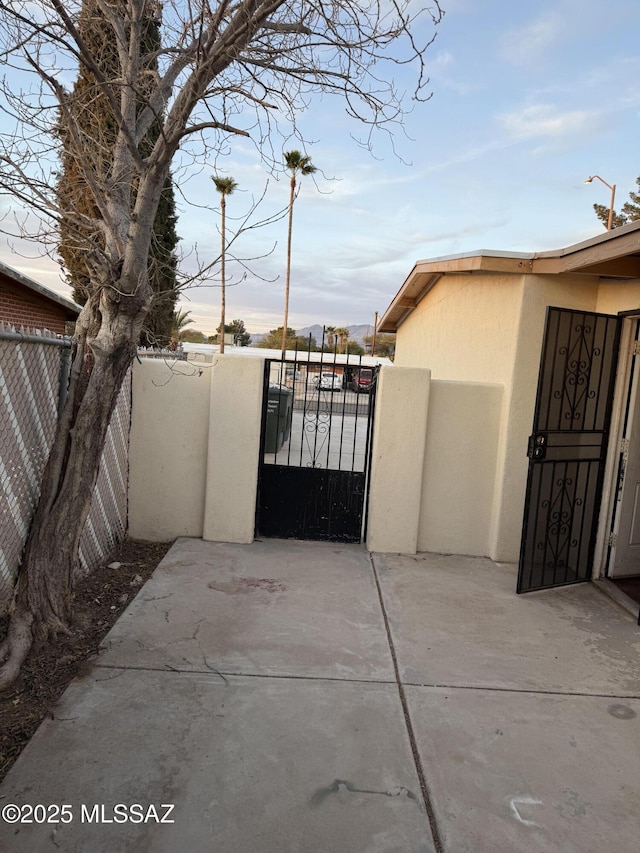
<point x="342" y="784"/>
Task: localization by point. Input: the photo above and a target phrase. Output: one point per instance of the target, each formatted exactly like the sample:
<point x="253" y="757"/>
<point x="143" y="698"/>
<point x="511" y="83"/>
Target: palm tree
<point x="225" y="187"/>
<point x="181" y="320"/>
<point x="330" y="332"/>
<point x="343" y="337"/>
<point x="298" y="164"/>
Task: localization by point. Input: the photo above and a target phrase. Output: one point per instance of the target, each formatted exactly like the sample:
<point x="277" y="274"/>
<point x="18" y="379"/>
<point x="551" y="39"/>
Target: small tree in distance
<point x="385" y="345"/>
<point x="273" y="340"/>
<point x="241" y="338"/>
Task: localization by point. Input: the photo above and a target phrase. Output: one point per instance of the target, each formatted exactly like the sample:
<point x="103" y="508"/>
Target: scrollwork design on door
<point x="561" y="509"/>
<point x="580" y="356"/>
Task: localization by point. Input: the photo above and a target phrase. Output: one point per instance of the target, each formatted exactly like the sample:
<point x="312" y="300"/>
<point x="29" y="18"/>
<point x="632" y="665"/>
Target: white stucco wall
<point x="233" y="448"/>
<point x="459" y="472"/>
<point x="615" y="296"/>
<point x="488" y="328"/>
<point x="400" y="429"/>
<point x="168" y="450"/>
<point x="465" y="328"/>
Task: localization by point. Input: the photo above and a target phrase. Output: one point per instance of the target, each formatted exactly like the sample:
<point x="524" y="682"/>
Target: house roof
<point x="22" y="280"/>
<point x="614" y="254"/>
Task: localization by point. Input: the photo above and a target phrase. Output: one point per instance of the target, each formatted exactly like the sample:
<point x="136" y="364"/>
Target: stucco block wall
<point x="400" y="430"/>
<point x="459" y="471"/>
<point x="465" y="328"/>
<point x="168" y="450"/>
<point x="233" y="448"/>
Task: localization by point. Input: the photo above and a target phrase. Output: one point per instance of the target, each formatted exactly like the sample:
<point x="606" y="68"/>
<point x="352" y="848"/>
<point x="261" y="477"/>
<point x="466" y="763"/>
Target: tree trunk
<point x="41" y="608"/>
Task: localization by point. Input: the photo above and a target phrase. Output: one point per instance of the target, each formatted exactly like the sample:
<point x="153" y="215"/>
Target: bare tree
<point x="224" y="70"/>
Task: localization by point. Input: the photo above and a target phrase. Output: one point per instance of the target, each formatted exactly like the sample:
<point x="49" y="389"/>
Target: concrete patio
<point x="307" y="697"/>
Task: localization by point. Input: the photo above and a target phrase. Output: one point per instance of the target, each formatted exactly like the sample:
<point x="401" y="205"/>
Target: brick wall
<point x="21" y="307"/>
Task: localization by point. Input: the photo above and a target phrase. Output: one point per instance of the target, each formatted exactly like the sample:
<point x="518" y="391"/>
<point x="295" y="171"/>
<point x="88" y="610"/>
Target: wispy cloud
<point x="529" y="43"/>
<point x="538" y="121"/>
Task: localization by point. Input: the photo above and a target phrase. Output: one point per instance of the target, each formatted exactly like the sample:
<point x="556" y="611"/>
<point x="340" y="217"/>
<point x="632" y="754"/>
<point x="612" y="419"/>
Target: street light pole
<point x="612" y="187"/>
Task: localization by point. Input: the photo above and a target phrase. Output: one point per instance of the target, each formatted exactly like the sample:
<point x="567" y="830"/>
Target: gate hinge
<point x="635" y="348"/>
<point x="613" y="540"/>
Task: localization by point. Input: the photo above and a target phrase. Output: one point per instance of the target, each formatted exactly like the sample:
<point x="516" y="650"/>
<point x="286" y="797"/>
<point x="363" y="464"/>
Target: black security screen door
<point x="568" y="448"/>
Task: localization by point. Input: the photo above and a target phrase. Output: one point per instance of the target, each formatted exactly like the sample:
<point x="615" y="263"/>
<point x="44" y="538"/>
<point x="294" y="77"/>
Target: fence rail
<point x="34" y="374"/>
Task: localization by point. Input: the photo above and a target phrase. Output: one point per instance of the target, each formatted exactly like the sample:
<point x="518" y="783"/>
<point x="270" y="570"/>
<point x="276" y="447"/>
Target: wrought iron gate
<point x="568" y="448"/>
<point x="315" y="450"/>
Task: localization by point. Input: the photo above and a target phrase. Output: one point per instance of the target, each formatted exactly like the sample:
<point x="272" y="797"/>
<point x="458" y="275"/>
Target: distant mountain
<point x="356" y="333"/>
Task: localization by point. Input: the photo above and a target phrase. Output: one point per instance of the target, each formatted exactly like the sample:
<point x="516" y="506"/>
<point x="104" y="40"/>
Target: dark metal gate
<point x="568" y="448"/>
<point x="317" y="427"/>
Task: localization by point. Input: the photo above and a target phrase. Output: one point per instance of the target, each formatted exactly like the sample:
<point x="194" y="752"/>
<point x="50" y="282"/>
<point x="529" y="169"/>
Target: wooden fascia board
<point x="628" y="267"/>
<point x="476" y="263"/>
<point x="619" y="248"/>
<point x="625" y="267"/>
<point x="426" y="275"/>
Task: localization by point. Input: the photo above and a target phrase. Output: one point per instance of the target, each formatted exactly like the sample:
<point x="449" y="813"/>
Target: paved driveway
<point x="311" y="698"/>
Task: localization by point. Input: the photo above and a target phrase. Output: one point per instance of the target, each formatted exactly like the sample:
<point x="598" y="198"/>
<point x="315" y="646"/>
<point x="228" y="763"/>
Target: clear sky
<point x="530" y="97"/>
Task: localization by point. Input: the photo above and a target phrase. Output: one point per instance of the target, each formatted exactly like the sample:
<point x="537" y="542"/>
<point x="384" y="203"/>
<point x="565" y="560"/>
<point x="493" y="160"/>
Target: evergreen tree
<point x="100" y="131"/>
<point x="241" y="338"/>
<point x="293" y="341"/>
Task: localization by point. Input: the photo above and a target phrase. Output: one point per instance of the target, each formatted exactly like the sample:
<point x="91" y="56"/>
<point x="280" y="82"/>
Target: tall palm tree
<point x="225" y="187"/>
<point x="297" y="164"/>
<point x="330" y="332"/>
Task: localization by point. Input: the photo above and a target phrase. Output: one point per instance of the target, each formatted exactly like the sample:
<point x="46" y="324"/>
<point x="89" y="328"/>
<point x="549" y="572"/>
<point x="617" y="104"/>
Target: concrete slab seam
<point x="539" y="691"/>
<point x="225" y="673"/>
<point x="426" y="794"/>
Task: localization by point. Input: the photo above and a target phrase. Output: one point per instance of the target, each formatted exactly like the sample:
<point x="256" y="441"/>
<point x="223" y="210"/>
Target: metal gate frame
<point x="313" y="474"/>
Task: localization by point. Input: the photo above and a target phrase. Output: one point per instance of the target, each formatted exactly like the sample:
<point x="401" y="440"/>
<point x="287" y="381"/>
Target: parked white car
<point x="328" y="382"/>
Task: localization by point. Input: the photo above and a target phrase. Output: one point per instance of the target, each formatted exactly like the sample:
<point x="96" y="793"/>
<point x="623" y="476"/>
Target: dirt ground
<point x="100" y="598"/>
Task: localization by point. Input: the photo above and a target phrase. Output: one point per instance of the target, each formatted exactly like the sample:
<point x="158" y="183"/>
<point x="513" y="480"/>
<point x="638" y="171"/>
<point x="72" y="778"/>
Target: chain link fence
<point x="34" y="371"/>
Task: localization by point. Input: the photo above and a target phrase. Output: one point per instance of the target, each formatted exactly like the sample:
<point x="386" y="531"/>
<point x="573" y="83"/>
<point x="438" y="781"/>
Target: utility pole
<point x="375" y="328"/>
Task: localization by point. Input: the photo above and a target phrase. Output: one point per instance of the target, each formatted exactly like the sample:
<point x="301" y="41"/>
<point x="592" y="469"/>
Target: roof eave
<point x="426" y="274"/>
<point x="40" y="289"/>
<point x="612" y="254"/>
